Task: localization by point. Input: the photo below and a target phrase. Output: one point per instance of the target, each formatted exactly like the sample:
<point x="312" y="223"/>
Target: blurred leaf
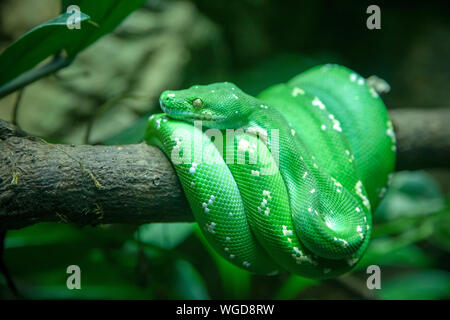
<point x="53" y="36"/>
<point x="427" y="284"/>
<point x="42" y="234"/>
<point x="384" y="252"/>
<point x="107" y="14"/>
<point x="277" y="69"/>
<point x="235" y="281"/>
<point x="441" y="235"/>
<point x="410" y="194"/>
<point x="164" y="235"/>
<point x="293" y="286"/>
<point x="52" y="247"/>
<point x="134" y="134"/>
<point x="188" y="283"/>
<point x="36" y="45"/>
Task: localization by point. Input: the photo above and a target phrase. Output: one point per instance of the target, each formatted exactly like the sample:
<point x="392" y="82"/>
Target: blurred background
<point x="107" y="93"/>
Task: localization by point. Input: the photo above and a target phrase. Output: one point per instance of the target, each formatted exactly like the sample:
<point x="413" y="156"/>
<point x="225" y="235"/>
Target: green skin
<point x="325" y="149"/>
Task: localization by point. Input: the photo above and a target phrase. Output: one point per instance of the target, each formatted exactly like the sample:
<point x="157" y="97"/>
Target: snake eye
<point x="197" y="103"/>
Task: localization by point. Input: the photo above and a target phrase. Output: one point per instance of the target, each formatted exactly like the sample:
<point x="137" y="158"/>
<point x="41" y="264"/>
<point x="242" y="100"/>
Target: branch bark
<point x="90" y="185"/>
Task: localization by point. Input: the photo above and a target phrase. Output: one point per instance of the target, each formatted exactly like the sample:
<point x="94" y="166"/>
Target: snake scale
<point x="287" y="180"/>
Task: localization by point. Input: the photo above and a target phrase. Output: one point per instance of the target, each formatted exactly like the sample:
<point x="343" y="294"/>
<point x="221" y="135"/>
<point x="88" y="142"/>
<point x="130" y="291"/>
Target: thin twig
<point x="16" y="107"/>
<point x="4" y="269"/>
<point x="31" y="76"/>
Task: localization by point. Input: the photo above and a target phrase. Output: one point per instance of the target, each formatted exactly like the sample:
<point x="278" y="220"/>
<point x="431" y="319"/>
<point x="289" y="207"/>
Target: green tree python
<point x="287" y="180"/>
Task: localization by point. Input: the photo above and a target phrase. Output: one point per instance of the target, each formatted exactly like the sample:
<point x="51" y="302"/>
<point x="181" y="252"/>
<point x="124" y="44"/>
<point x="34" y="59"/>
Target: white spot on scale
<point x="286" y="231"/>
<point x="313" y="190"/>
<point x="323" y="127"/>
<point x="243" y="145"/>
<point x="336" y="125"/>
<point x="193" y="168"/>
<point x="158" y="124"/>
<point x="296" y="91"/>
<point x="210" y="227"/>
<point x="263" y="202"/>
<point x="255" y="173"/>
<point x="171" y="95"/>
<point x="235" y="96"/>
<point x="316" y="102"/>
<point x="353" y="77"/>
<point x="361" y="81"/>
<point x="292" y="132"/>
<point x="358" y="190"/>
<point x="227" y="239"/>
<point x="267" y="194"/>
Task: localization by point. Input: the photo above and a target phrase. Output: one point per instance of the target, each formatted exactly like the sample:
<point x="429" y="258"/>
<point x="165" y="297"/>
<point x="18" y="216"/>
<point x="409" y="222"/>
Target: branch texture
<point x="136" y="184"/>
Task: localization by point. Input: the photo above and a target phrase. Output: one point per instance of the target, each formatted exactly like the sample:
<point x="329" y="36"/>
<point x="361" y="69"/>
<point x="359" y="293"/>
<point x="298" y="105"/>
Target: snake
<point x="287" y="180"/>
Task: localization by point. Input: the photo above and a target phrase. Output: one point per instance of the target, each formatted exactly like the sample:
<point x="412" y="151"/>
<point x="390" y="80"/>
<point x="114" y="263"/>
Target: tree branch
<point x="90" y="185"/>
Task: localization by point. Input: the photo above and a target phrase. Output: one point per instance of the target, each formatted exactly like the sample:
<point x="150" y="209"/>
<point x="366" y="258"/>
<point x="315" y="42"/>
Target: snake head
<point x="219" y="105"/>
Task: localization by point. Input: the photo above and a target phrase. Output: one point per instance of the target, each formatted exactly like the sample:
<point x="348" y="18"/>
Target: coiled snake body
<point x="287" y="180"/>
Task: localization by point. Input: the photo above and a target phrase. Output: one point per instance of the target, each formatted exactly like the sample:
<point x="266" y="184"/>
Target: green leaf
<point x="423" y="285"/>
<point x="188" y="283"/>
<point x="165" y="235"/>
<point x="36" y="45"/>
<point x="386" y="252"/>
<point x="411" y="194"/>
<point x="293" y="286"/>
<point x="235" y="281"/>
<point x="49" y="38"/>
<point x="106" y="14"/>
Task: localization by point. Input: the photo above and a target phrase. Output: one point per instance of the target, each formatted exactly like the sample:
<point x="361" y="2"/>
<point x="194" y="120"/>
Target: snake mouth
<point x="187" y="115"/>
